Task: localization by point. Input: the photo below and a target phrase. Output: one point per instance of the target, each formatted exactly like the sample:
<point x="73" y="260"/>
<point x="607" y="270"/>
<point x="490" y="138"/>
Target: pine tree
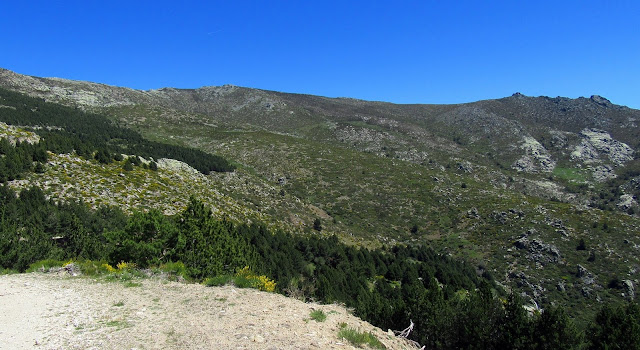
<point x="317" y="224"/>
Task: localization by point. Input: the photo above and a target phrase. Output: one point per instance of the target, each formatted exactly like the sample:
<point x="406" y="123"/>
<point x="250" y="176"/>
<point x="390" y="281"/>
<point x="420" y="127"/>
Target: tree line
<point x="20" y="158"/>
<point x="452" y="307"/>
<point x="65" y="129"/>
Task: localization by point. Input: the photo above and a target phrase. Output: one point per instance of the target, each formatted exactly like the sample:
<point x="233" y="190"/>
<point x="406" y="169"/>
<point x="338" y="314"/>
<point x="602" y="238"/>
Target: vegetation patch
<point x="244" y="278"/>
<point x="359" y="339"/>
<point x="571" y="174"/>
<point x="318" y="315"/>
<point x="95" y="136"/>
<point x="118" y="324"/>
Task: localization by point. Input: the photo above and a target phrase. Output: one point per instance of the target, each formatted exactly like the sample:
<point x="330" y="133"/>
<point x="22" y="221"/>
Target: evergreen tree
<point x="317" y="224"/>
<point x="127" y="166"/>
<point x="515" y="328"/>
<point x="616" y="328"/>
<point x="555" y="330"/>
<point x="103" y="156"/>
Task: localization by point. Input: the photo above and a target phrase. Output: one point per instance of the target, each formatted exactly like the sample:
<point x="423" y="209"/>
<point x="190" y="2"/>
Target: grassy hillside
<point x="464" y="210"/>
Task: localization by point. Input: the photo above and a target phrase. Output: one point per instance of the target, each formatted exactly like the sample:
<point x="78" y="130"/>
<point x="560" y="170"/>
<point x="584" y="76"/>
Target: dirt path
<point x="49" y="311"/>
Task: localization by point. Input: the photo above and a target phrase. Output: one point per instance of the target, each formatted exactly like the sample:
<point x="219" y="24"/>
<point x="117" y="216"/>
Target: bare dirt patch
<point x="49" y="311"/>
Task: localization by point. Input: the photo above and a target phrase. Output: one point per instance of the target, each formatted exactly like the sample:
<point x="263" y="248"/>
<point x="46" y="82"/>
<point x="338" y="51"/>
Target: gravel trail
<point x="57" y="311"/>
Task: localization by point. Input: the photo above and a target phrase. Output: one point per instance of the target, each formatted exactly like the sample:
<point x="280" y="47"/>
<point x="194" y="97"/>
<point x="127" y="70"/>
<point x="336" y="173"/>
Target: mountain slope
<point x="515" y="185"/>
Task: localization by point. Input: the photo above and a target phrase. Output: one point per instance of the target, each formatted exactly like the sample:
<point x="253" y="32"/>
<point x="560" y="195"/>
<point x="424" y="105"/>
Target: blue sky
<point x="405" y="52"/>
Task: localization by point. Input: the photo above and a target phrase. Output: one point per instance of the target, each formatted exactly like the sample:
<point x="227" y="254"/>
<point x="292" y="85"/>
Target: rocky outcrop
<point x="601" y="101"/>
<point x="597" y="146"/>
<point x="632" y="185"/>
<point x="584" y="274"/>
<point x="523" y="281"/>
<point x="539" y="251"/>
<point x="629" y="289"/>
<point x="626" y="202"/>
<point x="602" y="173"/>
<point x="14" y="134"/>
<point x="536" y="157"/>
<point x="175" y="165"/>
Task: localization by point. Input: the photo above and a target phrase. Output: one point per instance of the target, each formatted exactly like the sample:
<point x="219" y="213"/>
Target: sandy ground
<point x="57" y="311"/>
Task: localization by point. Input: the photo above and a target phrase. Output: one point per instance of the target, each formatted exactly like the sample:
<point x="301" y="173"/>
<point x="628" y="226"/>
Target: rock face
<point x="629" y="289"/>
<point x="586" y="276"/>
<point x="539" y="251"/>
<point x="523" y="281"/>
<point x="536" y="158"/>
<point x="597" y="144"/>
<point x="172" y="164"/>
<point x="601" y="101"/>
<point x="602" y="173"/>
<point x="626" y="202"/>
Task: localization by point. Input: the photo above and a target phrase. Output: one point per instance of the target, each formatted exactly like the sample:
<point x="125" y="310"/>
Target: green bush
<point x="318" y="315"/>
<point x="217" y="281"/>
<point x="92" y="267"/>
<point x="45" y="265"/>
<point x="4" y="271"/>
<point x="174" y="269"/>
<point x="360" y="338"/>
<point x="127" y="166"/>
<point x="243" y="282"/>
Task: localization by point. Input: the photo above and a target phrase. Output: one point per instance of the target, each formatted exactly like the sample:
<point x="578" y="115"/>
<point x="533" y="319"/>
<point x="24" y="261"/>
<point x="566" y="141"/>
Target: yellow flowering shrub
<point x="123" y="266"/>
<point x="266" y="284"/>
<point x="261" y="282"/>
<point x="108" y="267"/>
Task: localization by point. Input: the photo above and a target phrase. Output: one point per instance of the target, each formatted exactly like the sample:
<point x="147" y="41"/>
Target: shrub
<point x="108" y="267"/>
<point x="245" y="278"/>
<point x="318" y="315"/>
<point x="359" y="338"/>
<point x="582" y="245"/>
<point x="90" y="267"/>
<point x="174" y="269"/>
<point x="217" y="281"/>
<point x="317" y="225"/>
<point x="4" y="271"/>
<point x="45" y="265"/>
<point x="125" y="266"/>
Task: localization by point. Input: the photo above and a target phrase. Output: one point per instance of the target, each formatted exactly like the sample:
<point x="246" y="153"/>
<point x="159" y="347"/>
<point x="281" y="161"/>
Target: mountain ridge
<point x="9" y="79"/>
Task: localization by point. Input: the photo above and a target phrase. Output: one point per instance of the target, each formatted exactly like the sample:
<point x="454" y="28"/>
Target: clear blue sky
<point x="405" y="52"/>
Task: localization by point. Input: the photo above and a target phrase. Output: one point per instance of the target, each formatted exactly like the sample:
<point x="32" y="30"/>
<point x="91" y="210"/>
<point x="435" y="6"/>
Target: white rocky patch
<point x="14" y="134"/>
<point x="175" y="165"/>
<point x="626" y="201"/>
<point x="597" y="143"/>
<point x="559" y="138"/>
<point x="586" y="153"/>
<point x="536" y="157"/>
<point x="602" y="173"/>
